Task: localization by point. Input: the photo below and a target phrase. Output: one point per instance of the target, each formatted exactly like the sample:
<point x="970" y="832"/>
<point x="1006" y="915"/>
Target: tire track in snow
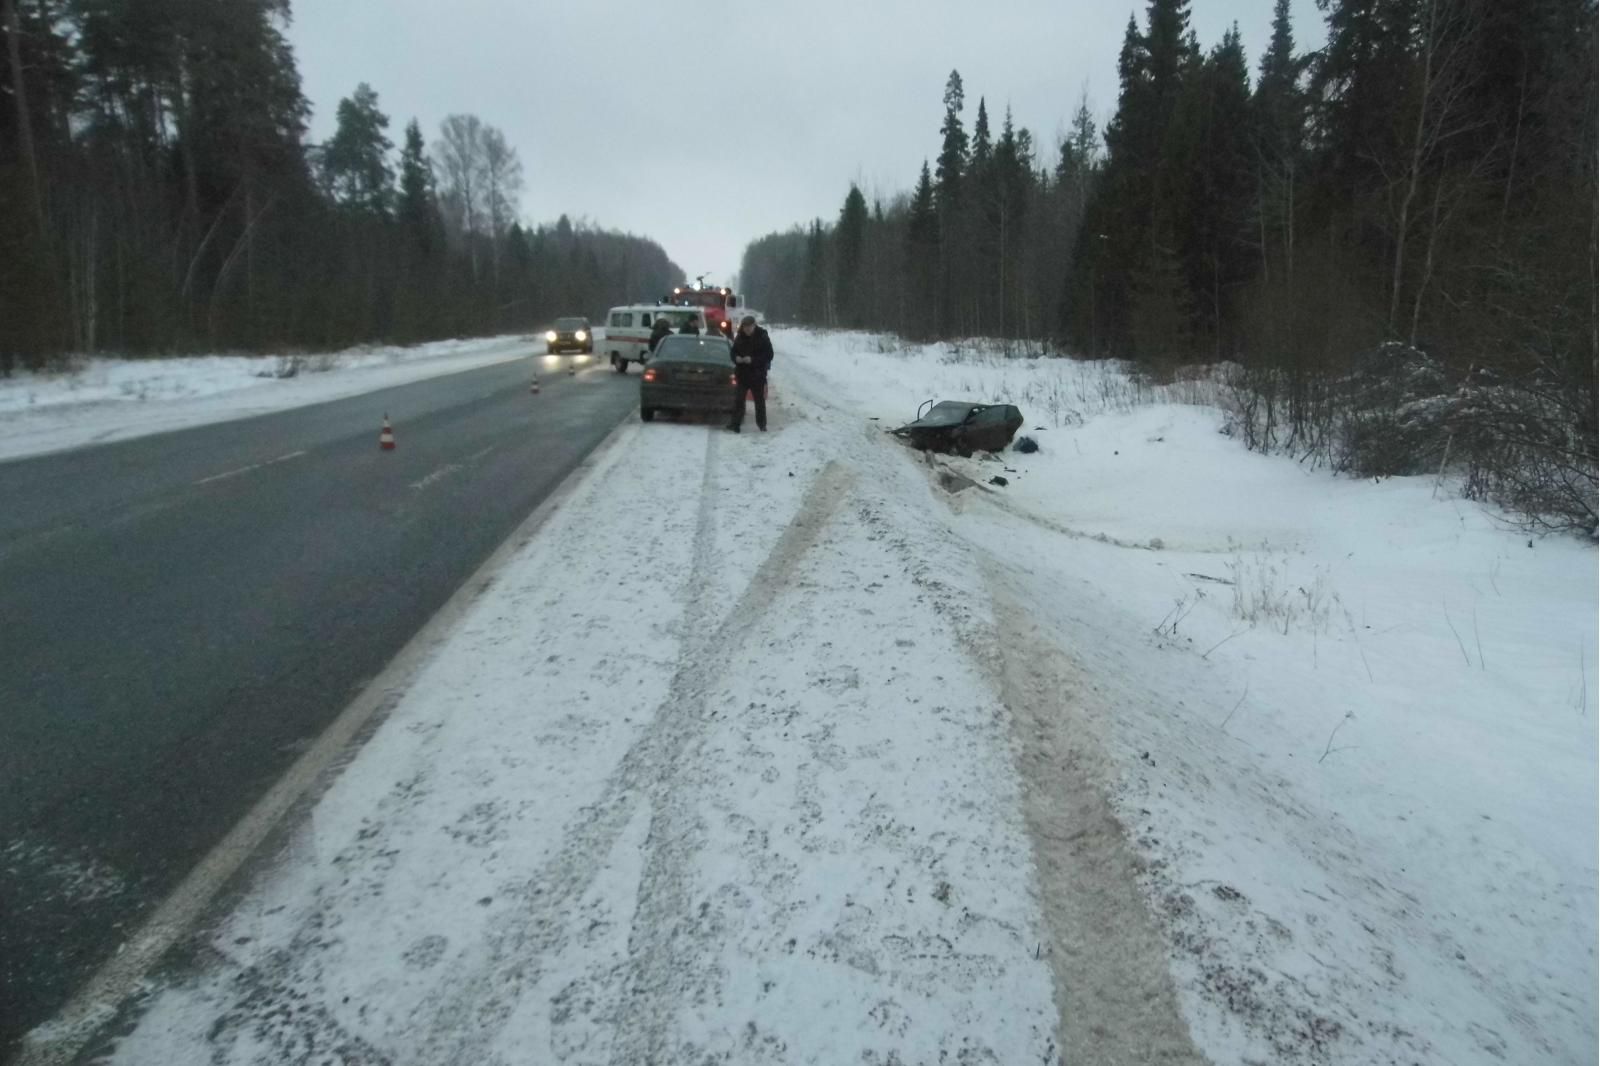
<point x="1115" y="997"/>
<point x="667" y="930"/>
<point x="1114" y="987"/>
<point x="479" y="1002"/>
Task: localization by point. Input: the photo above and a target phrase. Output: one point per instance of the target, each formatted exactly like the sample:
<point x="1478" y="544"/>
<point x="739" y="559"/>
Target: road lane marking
<point x="247" y="469"/>
<point x="450" y="468"/>
<point x="444" y="471"/>
<point x="58" y="1041"/>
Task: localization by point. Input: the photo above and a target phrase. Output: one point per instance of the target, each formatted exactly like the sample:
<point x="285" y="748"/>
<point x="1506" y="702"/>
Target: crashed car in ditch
<point x="961" y="427"/>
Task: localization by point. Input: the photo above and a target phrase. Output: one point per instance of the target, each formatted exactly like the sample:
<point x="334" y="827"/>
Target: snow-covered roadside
<point x="107" y="399"/>
<point x="767" y="750"/>
<point x="711" y="773"/>
<point x="1350" y="727"/>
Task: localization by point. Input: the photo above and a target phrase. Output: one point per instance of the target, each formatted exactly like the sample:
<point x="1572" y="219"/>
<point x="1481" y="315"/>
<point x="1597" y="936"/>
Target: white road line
<point x="444" y="471"/>
<point x="59" y="1040"/>
<point x="247" y="469"/>
<point x="450" y="468"/>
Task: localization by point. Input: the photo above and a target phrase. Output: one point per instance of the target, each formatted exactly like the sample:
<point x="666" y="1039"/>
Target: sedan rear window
<point x="695" y="349"/>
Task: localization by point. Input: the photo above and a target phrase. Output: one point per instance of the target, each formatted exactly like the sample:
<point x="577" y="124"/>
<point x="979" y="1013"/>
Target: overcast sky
<point x="705" y="131"/>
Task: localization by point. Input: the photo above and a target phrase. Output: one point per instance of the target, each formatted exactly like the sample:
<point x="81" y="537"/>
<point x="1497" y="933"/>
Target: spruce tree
<point x="951" y="178"/>
<point x="982" y="145"/>
<point x="953" y="159"/>
<point x="1171" y="46"/>
<point x="814" y="284"/>
<point x="921" y="258"/>
<point x="1278" y="103"/>
<point x="1007" y="204"/>
<point x="1212" y="205"/>
<point x="922" y="228"/>
<point x="416" y="207"/>
<point x="1114" y="241"/>
<point x="1278" y="136"/>
<point x="1079" y="147"/>
<point x="1127" y="138"/>
<point x="979" y="269"/>
<point x="850" y="238"/>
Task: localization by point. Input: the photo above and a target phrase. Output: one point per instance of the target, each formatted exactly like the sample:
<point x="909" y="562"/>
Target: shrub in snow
<point x="1026" y="445"/>
<point x="1526" y="442"/>
<point x="1530" y="445"/>
<point x="1398" y="413"/>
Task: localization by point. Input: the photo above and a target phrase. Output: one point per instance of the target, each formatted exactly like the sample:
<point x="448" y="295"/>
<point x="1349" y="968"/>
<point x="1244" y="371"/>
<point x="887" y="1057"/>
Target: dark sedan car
<point x="570" y="335"/>
<point x="688" y="373"/>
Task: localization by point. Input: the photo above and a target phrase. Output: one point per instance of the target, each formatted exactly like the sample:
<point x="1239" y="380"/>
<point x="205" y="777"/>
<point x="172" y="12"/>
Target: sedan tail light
<point x="650" y="373"/>
<point x="733" y="379"/>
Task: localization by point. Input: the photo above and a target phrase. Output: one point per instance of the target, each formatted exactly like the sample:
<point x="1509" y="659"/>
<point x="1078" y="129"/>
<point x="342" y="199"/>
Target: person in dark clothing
<point x="690" y="326"/>
<point x="662" y="328"/>
<point x="752" y="357"/>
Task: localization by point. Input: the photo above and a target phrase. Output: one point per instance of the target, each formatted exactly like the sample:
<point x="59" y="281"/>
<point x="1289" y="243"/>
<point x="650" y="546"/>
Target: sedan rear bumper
<point x="686" y="397"/>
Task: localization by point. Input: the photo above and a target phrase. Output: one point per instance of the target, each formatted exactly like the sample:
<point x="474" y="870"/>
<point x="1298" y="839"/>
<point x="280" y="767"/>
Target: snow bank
<point x="1354" y="723"/>
<point x="105" y="399"/>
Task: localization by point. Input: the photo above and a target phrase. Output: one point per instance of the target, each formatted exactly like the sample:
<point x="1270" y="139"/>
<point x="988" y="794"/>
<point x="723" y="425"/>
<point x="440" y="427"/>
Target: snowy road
<point x="184" y="613"/>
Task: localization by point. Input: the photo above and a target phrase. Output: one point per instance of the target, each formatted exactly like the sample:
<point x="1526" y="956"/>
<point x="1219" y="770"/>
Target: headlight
<point x="550" y="336"/>
<point x="581" y="335"/>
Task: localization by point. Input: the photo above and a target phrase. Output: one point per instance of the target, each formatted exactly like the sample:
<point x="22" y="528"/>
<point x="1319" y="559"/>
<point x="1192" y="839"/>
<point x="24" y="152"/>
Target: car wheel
<point x="621" y="365"/>
<point x="647" y="414"/>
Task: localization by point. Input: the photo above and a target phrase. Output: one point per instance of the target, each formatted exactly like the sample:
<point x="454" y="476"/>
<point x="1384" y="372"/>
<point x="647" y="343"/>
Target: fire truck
<point x="721" y="305"/>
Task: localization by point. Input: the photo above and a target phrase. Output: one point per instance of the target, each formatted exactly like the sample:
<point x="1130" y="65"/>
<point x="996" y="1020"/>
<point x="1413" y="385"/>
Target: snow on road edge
<point x="106" y="400"/>
<point x="707" y="774"/>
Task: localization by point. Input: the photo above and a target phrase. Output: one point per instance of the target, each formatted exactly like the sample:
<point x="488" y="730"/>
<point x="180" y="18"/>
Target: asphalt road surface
<point x="180" y="615"/>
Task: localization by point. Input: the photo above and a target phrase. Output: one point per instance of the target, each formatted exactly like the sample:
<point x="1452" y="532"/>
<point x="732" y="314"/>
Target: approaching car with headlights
<point x="688" y="373"/>
<point x="570" y="335"/>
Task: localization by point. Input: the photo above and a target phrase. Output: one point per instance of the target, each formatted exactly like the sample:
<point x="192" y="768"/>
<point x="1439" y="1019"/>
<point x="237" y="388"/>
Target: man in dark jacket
<point x="752" y="356"/>
<point x="662" y="328"/>
<point x="690" y="326"/>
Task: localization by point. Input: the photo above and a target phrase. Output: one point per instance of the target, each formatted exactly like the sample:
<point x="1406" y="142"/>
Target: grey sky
<point x="704" y="131"/>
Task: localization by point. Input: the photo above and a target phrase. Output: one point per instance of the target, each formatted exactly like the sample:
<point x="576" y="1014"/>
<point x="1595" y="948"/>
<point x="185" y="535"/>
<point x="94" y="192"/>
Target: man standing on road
<point x="752" y="356"/>
<point x="662" y="328"/>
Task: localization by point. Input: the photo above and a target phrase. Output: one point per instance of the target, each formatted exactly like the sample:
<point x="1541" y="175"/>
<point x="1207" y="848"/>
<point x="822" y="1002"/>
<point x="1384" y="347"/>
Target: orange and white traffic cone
<point x="534" y="388"/>
<point x="386" y="435"/>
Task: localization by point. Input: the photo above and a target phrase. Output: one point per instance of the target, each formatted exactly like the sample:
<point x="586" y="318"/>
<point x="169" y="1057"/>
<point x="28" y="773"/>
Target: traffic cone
<point x="534" y="388"/>
<point x="386" y="435"/>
